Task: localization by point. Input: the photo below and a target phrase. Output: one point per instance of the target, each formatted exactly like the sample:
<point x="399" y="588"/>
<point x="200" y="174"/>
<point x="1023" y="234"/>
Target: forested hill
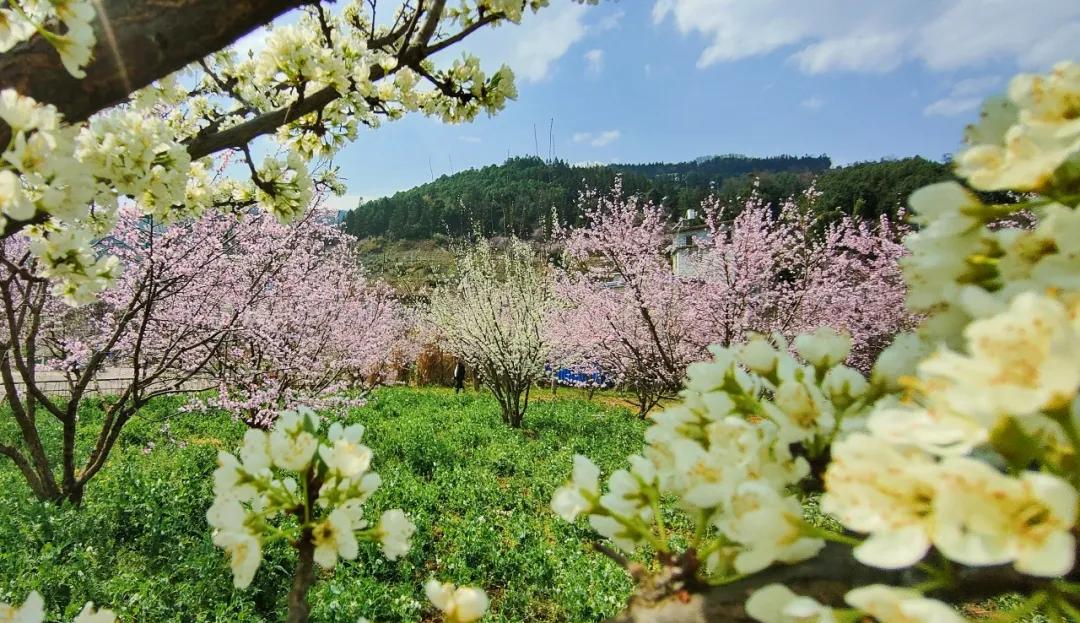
<point x="522" y="195"/>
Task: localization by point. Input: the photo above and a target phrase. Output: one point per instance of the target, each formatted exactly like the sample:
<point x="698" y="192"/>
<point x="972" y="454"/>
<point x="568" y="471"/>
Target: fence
<point x="111" y="381"/>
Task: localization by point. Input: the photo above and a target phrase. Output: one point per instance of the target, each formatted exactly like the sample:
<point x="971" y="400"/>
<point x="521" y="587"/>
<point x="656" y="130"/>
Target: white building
<point x="686" y="235"/>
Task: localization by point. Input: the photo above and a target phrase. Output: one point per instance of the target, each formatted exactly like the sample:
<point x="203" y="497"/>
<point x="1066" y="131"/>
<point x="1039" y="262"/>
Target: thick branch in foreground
<point x="138" y="41"/>
<point x="826" y="578"/>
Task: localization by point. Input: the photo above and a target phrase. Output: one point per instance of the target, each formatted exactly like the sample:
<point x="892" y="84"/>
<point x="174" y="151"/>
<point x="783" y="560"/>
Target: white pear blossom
<point x="899" y="360"/>
<point x="253" y="494"/>
<point x="1021" y="361"/>
<point x="291" y="446"/>
<point x="31" y="611"/>
<point x="458" y="604"/>
<point x="888" y="491"/>
<point x="758" y="355"/>
<point x="934" y="429"/>
<point x="897" y="605"/>
<point x="334" y="538"/>
<point x="709" y="376"/>
<point x="1021" y="142"/>
<point x="627" y="496"/>
<point x="938" y="262"/>
<point x="255" y="453"/>
<point x="577" y="497"/>
<point x="800" y="409"/>
<point x="983" y="517"/>
<point x="824" y="347"/>
<point x="844" y="385"/>
<point x="347" y="457"/>
<point x="245" y="555"/>
<point x="777" y="603"/>
<point x="623" y="536"/>
<point x="229" y="520"/>
<point x="232" y="480"/>
<point x="394" y="532"/>
<point x="768" y="526"/>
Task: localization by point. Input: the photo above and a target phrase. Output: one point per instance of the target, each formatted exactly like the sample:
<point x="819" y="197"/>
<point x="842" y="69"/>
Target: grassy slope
<point x="477" y="490"/>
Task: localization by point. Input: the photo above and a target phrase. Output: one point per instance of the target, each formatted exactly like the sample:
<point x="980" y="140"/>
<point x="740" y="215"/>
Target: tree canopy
<point x="521" y="196"/>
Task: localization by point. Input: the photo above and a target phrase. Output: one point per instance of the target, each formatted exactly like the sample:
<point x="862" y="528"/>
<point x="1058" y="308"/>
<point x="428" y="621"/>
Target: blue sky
<point x="671" y="80"/>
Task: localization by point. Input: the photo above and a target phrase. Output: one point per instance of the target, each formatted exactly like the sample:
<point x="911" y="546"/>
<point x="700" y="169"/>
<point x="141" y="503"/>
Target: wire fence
<point x="53" y="384"/>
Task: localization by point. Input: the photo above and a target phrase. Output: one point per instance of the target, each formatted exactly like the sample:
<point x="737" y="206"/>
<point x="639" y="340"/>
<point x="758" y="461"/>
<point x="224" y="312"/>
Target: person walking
<point x="459" y="376"/>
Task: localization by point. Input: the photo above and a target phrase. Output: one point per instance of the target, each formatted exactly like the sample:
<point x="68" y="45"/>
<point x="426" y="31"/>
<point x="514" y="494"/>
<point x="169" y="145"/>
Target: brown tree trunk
<point x="303" y="578"/>
<point x="73" y="495"/>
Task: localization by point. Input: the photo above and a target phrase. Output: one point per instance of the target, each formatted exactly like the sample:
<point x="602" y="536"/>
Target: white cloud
<point x="964" y="96"/>
<point x="856" y="35"/>
<point x="598" y="139"/>
<point x="532" y="47"/>
<point x="867" y="53"/>
<point x="605" y="138"/>
<point x="813" y="103"/>
<point x="594" y="60"/>
<point x="610" y="22"/>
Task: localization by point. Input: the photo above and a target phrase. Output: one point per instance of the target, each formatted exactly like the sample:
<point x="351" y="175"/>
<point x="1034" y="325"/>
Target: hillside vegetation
<point x="523" y="195"/>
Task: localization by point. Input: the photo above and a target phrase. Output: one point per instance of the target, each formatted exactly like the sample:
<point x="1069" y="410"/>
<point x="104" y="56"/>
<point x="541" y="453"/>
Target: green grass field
<point x="477" y="490"/>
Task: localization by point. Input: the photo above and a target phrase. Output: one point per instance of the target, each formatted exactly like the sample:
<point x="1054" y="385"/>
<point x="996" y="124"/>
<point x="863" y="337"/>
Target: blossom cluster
<point x="959" y="450"/>
<point x="21" y="19"/>
<point x="327" y="483"/>
<point x="61" y="182"/>
<point x="725" y="453"/>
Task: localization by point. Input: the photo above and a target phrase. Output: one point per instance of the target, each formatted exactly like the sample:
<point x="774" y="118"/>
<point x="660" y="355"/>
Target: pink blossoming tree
<point x="765" y="269"/>
<point x="624" y="312"/>
<point x="218" y="296"/>
<point x="758" y="270"/>
<point x="323" y="335"/>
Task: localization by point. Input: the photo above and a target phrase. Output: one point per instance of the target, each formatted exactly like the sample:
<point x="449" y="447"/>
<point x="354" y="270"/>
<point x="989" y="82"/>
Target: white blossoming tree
<point x="949" y="476"/>
<point x="493" y="316"/>
<point x="306" y="486"/>
<point x="318" y="479"/>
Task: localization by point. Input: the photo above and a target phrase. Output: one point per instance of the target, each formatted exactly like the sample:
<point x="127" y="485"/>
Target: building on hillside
<point x="333" y="218"/>
<point x="685" y="236"/>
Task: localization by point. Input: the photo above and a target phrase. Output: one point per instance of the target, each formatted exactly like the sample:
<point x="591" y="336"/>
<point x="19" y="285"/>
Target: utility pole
<point x="551" y="140"/>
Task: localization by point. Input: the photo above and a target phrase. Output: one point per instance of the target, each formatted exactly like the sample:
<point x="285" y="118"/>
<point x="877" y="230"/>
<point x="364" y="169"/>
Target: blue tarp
<point x="574" y="378"/>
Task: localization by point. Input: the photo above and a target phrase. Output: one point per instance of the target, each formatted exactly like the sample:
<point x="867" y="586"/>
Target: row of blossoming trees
<point x="613" y="308"/>
<point x="760" y="269"/>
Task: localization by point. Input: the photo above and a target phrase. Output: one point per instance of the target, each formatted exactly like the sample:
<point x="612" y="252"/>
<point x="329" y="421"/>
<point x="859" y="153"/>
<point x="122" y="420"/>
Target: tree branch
<point x="138" y="41"/>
